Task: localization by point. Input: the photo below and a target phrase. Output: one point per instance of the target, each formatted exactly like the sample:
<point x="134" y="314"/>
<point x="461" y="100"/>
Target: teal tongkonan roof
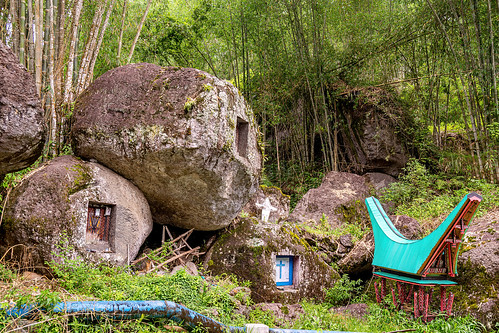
<point x="395" y="252"/>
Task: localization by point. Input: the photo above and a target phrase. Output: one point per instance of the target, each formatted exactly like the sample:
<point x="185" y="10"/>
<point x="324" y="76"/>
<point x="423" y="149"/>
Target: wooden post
<point x="421" y="300"/>
<point x="426" y="305"/>
<point x="383" y="288"/>
<point x="378" y="298"/>
<point x="450" y="301"/>
<point x="401" y="292"/>
<point x="416" y="307"/>
<point x="443" y="303"/>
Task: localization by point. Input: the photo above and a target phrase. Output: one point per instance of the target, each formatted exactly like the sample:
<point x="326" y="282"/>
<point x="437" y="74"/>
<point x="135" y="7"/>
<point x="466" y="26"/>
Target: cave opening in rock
<point x="203" y="239"/>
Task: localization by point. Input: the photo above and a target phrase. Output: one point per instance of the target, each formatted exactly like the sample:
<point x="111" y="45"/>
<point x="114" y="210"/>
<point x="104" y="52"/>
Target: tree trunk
<point x="99" y="43"/>
<point x="89" y="49"/>
<point x="73" y="40"/>
<point x="22" y="33"/>
<point x="31" y="39"/>
<point x="139" y="29"/>
<point x="38" y="45"/>
<point x="46" y="44"/>
<point x="51" y="92"/>
<point x="493" y="63"/>
<point x="15" y="26"/>
<point x="120" y="38"/>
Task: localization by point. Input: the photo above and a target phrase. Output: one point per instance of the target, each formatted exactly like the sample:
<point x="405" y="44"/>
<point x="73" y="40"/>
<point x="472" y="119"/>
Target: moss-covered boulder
<point x="251" y="251"/>
<point x="478" y="269"/>
<point x="187" y="139"/>
<point x="84" y="206"/>
<point x="22" y="123"/>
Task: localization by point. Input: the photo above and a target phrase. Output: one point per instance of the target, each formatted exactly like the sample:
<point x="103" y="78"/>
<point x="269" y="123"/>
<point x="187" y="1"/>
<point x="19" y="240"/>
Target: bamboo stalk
<point x="139" y="29"/>
<point x="22" y="32"/>
<point x="99" y="43"/>
<point x="38" y="45"/>
<point x="31" y="39"/>
<point x="120" y="38"/>
<point x="68" y="85"/>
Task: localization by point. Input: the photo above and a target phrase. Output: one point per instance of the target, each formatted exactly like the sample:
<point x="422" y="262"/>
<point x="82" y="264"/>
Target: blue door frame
<point x="280" y="263"/>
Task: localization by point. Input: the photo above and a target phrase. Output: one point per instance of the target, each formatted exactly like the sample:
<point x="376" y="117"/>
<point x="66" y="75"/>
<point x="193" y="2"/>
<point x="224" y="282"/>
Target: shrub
<point x="343" y="291"/>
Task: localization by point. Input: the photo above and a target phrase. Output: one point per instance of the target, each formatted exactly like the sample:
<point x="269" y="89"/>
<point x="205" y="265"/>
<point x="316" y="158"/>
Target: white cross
<point x="266" y="209"/>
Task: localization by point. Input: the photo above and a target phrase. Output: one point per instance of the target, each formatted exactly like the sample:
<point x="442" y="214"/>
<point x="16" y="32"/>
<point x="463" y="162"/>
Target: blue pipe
<point x="134" y="309"/>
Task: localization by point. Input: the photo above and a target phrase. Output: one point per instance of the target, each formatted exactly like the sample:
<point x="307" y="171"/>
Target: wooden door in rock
<point x="98" y="232"/>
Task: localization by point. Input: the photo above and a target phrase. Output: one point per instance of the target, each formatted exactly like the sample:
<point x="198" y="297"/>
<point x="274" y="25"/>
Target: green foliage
<point x="47" y="299"/>
<point x="6" y="275"/>
<point x="116" y="283"/>
<point x="189" y="104"/>
<point x="293" y="180"/>
<point x="344" y="291"/>
<point x="493" y="129"/>
<point x="356" y="230"/>
<point x="414" y="183"/>
<point x="259" y="316"/>
<point x="424" y="196"/>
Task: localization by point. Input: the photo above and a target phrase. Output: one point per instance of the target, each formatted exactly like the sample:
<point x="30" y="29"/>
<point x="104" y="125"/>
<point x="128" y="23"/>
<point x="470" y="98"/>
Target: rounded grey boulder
<point x="99" y="214"/>
<point x="187" y="139"/>
<point x="22" y="127"/>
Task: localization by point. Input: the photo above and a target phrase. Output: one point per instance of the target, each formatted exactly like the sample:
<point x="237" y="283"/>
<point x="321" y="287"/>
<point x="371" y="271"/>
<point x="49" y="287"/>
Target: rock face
<point x="279" y="203"/>
<point x="478" y="269"/>
<point x="339" y="198"/>
<point x="340" y="202"/>
<point x="379" y="181"/>
<point x="251" y="251"/>
<point x="185" y="138"/>
<point x="22" y="125"/>
<point x="371" y="119"/>
<point x="103" y="215"/>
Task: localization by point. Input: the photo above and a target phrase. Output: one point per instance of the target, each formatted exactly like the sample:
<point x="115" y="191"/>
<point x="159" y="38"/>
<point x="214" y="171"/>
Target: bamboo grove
<point x="292" y="59"/>
<point x="59" y="43"/>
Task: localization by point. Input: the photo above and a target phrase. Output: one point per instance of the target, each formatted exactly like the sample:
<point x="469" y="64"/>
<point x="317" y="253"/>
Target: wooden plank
<point x="174" y="258"/>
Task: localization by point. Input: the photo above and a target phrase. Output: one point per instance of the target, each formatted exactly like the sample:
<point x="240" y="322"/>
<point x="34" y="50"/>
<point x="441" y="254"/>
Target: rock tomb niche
<point x="242" y="129"/>
<point x="286" y="270"/>
<point x="99" y="234"/>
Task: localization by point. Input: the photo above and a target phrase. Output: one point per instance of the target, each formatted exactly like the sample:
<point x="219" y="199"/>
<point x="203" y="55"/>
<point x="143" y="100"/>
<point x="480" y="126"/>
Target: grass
<point x="323" y="228"/>
<point x="217" y="297"/>
<point x="417" y="194"/>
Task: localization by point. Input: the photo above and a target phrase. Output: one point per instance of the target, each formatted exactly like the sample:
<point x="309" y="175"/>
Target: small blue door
<point x="284" y="270"/>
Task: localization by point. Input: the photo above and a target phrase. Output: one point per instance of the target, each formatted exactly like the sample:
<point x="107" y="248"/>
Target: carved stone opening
<point x="287" y="269"/>
<point x="100" y="229"/>
<point x="242" y="129"/>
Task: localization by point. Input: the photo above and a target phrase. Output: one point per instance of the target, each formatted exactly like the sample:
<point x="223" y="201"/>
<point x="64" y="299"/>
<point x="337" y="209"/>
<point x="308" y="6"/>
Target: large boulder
<point x="339" y="199"/>
<point x="338" y="207"/>
<point x="99" y="214"/>
<point x="268" y="200"/>
<point x="478" y="269"/>
<point x="372" y="120"/>
<point x="187" y="139"/>
<point x="22" y="125"/>
<point x="252" y="251"/>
